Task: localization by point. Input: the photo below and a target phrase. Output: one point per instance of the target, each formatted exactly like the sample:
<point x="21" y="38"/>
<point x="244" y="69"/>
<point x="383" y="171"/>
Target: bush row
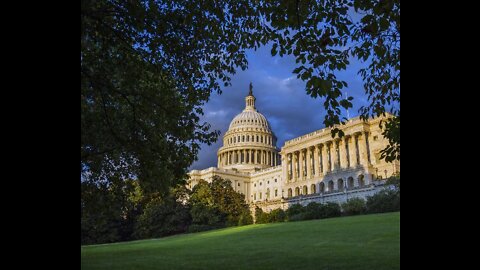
<point x="384" y="201"/>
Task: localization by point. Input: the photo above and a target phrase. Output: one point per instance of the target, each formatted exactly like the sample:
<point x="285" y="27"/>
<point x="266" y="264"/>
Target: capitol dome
<point x="249" y="144"/>
<point x="252" y="119"/>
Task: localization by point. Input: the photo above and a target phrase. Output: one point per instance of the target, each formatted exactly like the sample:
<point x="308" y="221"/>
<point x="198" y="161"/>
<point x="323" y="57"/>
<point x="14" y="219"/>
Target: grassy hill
<point x="358" y="242"/>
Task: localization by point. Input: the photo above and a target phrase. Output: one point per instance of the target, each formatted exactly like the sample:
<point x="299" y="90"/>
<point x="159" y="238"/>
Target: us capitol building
<point x="311" y="168"/>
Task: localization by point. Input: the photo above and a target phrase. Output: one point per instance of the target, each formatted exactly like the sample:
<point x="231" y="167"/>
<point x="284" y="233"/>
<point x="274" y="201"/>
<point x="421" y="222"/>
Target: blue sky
<point x="280" y="96"/>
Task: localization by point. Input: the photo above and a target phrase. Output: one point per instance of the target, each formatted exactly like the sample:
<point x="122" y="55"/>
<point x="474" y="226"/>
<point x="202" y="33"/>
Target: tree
<point x="216" y="203"/>
<point x="164" y="216"/>
<point x="109" y="212"/>
<point x="147" y="67"/>
<point x="323" y="35"/>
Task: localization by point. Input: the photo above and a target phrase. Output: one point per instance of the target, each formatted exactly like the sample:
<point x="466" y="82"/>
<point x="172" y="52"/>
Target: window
<point x="260" y="195"/>
<point x="276" y="191"/>
<point x="257" y="138"/>
<point x="275" y="180"/>
<point x="255" y="185"/>
<point x="268" y="182"/>
<point x="375" y="138"/>
<point x="254" y="196"/>
<point x="260" y="183"/>
<point x="238" y="184"/>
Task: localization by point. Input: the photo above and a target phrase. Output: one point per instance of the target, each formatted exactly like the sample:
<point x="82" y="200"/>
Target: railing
<point x="317" y="132"/>
<point x="266" y="170"/>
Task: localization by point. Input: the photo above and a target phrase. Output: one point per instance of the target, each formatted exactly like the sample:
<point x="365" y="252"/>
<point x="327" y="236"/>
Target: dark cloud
<point x="281" y="97"/>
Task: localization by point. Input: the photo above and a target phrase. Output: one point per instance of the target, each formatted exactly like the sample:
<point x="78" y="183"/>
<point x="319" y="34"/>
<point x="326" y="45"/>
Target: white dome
<point x="249" y="144"/>
<point x="249" y="119"/>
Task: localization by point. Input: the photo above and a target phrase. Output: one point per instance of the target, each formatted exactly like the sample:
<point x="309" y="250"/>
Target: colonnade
<point x="249" y="156"/>
<point x="340" y="153"/>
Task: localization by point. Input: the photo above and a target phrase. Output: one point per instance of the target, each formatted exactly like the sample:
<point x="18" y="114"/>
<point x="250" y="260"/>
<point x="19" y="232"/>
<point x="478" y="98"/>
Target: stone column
<point x="362" y="147"/>
<point x="343" y="154"/>
<point x="314" y="158"/>
<point x="300" y="164"/>
<point x="295" y="166"/>
<point x="319" y="168"/>
<point x="369" y="154"/>
<point x="325" y="164"/>
<point x="309" y="163"/>
<point x="333" y="155"/>
<point x="284" y="168"/>
<point x="348" y="149"/>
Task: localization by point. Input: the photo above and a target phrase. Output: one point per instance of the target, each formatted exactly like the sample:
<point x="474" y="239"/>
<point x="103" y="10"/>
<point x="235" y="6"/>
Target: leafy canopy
<point x="147" y="67"/>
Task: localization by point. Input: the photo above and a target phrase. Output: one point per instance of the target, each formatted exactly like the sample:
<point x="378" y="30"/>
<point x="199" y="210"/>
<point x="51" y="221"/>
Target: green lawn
<point x="358" y="242"/>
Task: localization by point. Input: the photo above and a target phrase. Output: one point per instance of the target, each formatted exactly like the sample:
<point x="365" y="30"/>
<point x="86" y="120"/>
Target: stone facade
<point x="312" y="167"/>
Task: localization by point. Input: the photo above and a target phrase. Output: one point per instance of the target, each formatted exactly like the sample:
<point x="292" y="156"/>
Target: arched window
<point x="297" y="191"/>
<point x="248" y="138"/>
<point x="305" y="190"/>
<point x="340" y="184"/>
<point x="276" y="193"/>
<point x="254" y="196"/>
<point x="330" y="185"/>
<point x="257" y="138"/>
<point x="322" y="187"/>
<point x="260" y="195"/>
<point x="268" y="193"/>
<point x="361" y="180"/>
<point x="243" y="138"/>
<point x="289" y="193"/>
<point x="313" y="189"/>
<point x="261" y="139"/>
<point x="350" y="183"/>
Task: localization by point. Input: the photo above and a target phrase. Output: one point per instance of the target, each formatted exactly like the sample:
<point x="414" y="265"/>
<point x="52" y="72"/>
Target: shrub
<point x="297" y="217"/>
<point x="313" y="211"/>
<point x="207" y="215"/>
<point x="355" y="206"/>
<point x="245" y="219"/>
<point x="384" y="201"/>
<point x="277" y="215"/>
<point x="330" y="209"/>
<point x="260" y="216"/>
<point x="294" y="210"/>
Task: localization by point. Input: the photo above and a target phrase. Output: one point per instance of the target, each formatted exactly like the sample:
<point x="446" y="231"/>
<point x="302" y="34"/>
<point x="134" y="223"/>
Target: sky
<point x="280" y="97"/>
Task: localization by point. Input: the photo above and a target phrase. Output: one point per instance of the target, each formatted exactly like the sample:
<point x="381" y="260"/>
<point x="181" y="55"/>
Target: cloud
<point x="280" y="96"/>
